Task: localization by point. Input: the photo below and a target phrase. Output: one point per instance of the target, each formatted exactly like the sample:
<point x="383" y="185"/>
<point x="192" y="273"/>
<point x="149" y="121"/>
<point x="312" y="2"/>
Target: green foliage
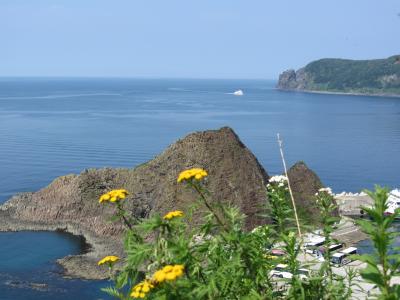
<point x="381" y="266"/>
<point x="221" y="260"/>
<point x="368" y="76"/>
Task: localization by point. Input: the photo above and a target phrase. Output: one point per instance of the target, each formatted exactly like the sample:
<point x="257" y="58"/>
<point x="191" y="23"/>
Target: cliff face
<point x="292" y="80"/>
<point x="378" y="76"/>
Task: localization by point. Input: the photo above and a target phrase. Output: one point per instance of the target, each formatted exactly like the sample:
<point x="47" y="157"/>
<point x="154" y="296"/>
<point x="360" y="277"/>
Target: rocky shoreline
<point x="83" y="265"/>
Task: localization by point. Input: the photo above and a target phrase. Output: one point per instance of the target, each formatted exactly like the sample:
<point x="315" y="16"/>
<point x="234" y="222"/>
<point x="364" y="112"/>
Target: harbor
<point x="348" y="235"/>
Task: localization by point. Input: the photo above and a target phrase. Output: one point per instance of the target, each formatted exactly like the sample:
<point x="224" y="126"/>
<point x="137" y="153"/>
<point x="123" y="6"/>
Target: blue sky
<point x="190" y="38"/>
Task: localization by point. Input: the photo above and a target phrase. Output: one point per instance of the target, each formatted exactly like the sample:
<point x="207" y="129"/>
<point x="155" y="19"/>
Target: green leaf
<point x="372" y="274"/>
<point x="113" y="292"/>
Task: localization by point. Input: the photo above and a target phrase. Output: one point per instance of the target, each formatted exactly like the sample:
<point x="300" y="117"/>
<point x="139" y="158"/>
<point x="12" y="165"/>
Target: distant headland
<point x="378" y="77"/>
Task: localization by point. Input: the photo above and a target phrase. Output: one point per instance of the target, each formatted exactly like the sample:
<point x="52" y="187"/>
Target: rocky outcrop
<point x="305" y="184"/>
<point x="287" y="80"/>
<point x="70" y="202"/>
<point x="292" y="80"/>
<point x="235" y="176"/>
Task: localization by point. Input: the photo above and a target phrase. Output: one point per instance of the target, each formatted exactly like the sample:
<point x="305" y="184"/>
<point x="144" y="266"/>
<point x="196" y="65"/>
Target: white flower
<point x="278" y="178"/>
<point x="327" y="190"/>
<point x="200" y="239"/>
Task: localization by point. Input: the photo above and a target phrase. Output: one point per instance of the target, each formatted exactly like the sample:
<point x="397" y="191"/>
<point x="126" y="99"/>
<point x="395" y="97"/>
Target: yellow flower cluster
<point x="140" y="290"/>
<point x="114" y="195"/>
<point x="195" y="173"/>
<point x="173" y="214"/>
<point x="109" y="260"/>
<point x="168" y="273"/>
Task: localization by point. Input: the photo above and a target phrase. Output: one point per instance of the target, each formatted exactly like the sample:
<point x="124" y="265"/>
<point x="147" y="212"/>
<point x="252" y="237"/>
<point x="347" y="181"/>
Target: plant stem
<point x="121" y="211"/>
<point x="202" y="196"/>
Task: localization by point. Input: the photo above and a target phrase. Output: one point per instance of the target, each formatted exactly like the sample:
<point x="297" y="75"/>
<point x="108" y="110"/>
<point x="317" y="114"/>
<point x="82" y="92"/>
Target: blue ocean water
<point x="52" y="127"/>
<point x="28" y="270"/>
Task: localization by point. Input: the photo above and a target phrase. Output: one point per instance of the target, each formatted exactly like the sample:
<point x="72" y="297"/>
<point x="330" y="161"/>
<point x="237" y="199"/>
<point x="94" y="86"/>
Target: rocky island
<point x="70" y="203"/>
<point x="363" y="77"/>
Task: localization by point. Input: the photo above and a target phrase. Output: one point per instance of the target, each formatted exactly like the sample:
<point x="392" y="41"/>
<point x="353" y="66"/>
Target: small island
<point x="378" y="77"/>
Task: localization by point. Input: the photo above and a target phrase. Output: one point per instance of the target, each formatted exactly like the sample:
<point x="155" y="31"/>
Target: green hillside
<point x="378" y="76"/>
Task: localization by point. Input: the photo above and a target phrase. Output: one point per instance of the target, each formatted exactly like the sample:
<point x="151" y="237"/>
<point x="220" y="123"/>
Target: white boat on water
<point x="238" y="93"/>
<point x="393" y="202"/>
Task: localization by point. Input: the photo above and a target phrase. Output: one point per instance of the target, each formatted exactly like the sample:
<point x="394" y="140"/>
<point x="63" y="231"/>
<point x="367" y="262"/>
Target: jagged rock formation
<point x="375" y="77"/>
<point x="292" y="80"/>
<point x="235" y="176"/>
<point x="70" y="202"/>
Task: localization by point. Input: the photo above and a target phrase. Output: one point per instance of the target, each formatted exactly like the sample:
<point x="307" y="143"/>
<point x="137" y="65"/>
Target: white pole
<point x="288" y="181"/>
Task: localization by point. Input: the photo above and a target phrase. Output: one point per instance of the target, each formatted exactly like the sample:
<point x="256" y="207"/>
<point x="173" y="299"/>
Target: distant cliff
<point x="374" y="77"/>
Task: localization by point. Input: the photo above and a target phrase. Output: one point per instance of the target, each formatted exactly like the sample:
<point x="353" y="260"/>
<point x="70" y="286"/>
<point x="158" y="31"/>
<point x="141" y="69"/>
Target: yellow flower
<point x="141" y="289"/>
<point x="173" y="214"/>
<point x="178" y="270"/>
<point x="168" y="273"/>
<point x="159" y="276"/>
<point x="114" y="196"/>
<point x="195" y="173"/>
<point x="109" y="260"/>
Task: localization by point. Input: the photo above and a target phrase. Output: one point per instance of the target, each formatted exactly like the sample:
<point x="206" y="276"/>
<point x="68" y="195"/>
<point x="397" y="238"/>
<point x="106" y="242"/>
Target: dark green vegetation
<point x="378" y="76"/>
<point x="343" y="74"/>
<point x="381" y="266"/>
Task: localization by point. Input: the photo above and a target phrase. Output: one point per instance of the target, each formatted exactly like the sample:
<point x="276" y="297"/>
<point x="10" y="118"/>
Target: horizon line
<point x="128" y="77"/>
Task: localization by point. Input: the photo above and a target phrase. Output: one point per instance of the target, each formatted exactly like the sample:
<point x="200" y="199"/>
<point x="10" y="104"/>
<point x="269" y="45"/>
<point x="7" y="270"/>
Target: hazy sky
<point x="190" y="38"/>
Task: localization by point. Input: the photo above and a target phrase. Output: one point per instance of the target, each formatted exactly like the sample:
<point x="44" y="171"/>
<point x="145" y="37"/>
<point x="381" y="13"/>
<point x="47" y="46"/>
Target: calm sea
<point x="52" y="127"/>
